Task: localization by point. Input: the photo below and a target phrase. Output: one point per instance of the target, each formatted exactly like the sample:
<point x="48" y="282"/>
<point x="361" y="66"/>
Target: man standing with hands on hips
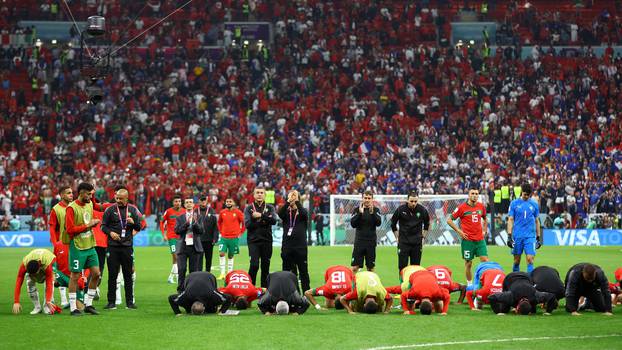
<point x="414" y="221"/>
<point x="258" y="219"/>
<point x="120" y="223"/>
<point x="294" y="250"/>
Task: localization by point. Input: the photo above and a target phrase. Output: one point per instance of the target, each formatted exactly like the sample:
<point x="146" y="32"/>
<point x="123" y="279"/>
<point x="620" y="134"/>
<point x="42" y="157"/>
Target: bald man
<point x="120" y="223"/>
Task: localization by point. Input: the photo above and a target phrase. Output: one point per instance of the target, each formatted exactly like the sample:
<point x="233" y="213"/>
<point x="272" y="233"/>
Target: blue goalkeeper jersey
<point x="524" y="213"/>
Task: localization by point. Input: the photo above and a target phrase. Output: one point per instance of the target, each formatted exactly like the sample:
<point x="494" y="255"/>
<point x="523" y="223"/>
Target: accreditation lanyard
<point x="123" y="223"/>
<point x="264" y="207"/>
<point x="189" y="236"/>
<point x="292" y="223"/>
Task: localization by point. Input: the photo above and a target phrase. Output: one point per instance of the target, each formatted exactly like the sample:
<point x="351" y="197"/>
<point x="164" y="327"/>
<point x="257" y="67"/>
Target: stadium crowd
<point x="351" y="96"/>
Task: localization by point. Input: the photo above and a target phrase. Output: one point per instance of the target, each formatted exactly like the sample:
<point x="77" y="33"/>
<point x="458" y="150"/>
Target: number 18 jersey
<point x="338" y="280"/>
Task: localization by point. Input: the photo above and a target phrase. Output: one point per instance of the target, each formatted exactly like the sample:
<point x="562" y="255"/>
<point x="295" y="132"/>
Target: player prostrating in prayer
<point x="338" y="281"/>
<point x="239" y="286"/>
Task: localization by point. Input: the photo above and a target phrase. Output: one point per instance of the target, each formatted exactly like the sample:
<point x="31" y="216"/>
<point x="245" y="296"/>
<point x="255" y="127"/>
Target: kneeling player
<point x="368" y="293"/>
<point x="546" y="279"/>
<point x="443" y="277"/>
<point x="239" y="286"/>
<point x="338" y="281"/>
<point x="282" y="295"/>
<point x="424" y="290"/>
<point x="519" y="292"/>
<point x="38" y="264"/>
<point x="490" y="282"/>
<point x="200" y="295"/>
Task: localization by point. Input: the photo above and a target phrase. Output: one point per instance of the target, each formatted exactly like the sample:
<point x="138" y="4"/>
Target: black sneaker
<point x="131" y="306"/>
<point x="91" y="310"/>
<point x="110" y="306"/>
<point x="76" y="312"/>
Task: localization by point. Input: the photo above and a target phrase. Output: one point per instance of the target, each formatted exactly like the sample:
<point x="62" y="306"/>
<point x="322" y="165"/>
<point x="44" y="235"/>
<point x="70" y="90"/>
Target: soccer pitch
<point x="153" y="325"/>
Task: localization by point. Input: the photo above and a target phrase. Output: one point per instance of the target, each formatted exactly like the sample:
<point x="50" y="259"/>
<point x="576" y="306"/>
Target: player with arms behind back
<point x="167" y="226"/>
<point x="338" y="282"/>
<point x="524" y="233"/>
<point x="472" y="230"/>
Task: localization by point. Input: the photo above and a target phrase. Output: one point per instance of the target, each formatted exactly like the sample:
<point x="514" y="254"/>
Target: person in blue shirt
<point x="524" y="231"/>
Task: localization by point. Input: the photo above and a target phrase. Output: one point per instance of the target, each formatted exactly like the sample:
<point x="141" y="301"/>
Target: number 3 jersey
<point x="238" y="284"/>
<point x="471" y="220"/>
<point x="338" y="280"/>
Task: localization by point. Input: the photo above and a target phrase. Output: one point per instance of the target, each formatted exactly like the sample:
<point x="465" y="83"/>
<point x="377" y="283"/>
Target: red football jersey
<point x="423" y="284"/>
<point x="443" y="277"/>
<point x="62" y="257"/>
<point x="618" y="274"/>
<point x="471" y="220"/>
<point x="238" y="283"/>
<point x="170" y="218"/>
<point x="491" y="282"/>
<point x="338" y="280"/>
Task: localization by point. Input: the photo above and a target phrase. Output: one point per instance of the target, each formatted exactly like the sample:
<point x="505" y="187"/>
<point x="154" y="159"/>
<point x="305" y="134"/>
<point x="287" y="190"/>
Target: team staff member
<point x="589" y="281"/>
<point x="519" y="292"/>
<point x="167" y="226"/>
<point x="79" y="223"/>
<point x="546" y="279"/>
<point x="258" y="219"/>
<point x="189" y="229"/>
<point x="282" y="290"/>
<point x="294" y="250"/>
<point x="120" y="223"/>
<point x="365" y="219"/>
<point x="210" y="232"/>
<point x="414" y="221"/>
<point x="472" y="231"/>
<point x="200" y="295"/>
<point x="231" y="227"/>
<point x="38" y="264"/>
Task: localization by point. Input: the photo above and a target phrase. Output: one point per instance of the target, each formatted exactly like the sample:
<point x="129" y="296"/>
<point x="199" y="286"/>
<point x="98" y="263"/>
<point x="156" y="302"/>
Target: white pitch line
<point x="483" y="341"/>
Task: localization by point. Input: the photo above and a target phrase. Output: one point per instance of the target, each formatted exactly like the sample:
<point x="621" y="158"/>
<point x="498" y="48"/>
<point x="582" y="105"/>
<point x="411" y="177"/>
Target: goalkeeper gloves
<point x="538" y="243"/>
<point x="510" y="242"/>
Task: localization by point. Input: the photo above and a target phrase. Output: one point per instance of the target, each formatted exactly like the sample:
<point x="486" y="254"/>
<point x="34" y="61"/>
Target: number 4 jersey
<point x="238" y="284"/>
<point x="338" y="281"/>
<point x="471" y="220"/>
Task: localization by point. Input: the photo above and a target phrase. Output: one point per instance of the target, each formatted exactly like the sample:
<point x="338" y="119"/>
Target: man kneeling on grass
<point x="368" y="295"/>
<point x="200" y="295"/>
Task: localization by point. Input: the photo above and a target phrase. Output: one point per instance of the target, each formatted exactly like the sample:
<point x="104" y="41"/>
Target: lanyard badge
<point x="123" y="223"/>
<point x="292" y="223"/>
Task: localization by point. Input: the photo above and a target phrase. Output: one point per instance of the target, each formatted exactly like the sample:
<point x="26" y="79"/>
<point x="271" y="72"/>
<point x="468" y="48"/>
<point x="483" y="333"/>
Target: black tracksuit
<point x="200" y="286"/>
<point x="546" y="279"/>
<point x="517" y="286"/>
<point x="283" y="285"/>
<point x="209" y="237"/>
<point x="259" y="238"/>
<point x="294" y="249"/>
<point x="121" y="252"/>
<point x="365" y="237"/>
<point x="596" y="292"/>
<point x="412" y="223"/>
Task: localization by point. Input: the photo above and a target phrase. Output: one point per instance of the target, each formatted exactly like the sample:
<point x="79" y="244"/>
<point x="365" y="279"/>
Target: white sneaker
<point x="477" y="302"/>
<point x="171" y="279"/>
<point x="36" y="310"/>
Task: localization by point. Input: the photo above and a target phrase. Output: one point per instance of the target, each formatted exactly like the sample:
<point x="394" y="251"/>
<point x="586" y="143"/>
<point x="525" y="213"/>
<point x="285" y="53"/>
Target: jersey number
<point x="525" y="214"/>
<point x="440" y="274"/>
<point x="239" y="278"/>
<point x="338" y="277"/>
<point x="474" y="218"/>
<point x="495" y="282"/>
<point x="76" y="264"/>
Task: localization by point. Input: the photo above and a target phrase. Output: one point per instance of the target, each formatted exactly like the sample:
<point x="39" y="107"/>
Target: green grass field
<point x="153" y="325"/>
